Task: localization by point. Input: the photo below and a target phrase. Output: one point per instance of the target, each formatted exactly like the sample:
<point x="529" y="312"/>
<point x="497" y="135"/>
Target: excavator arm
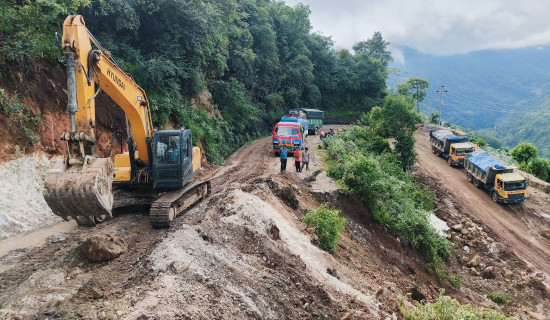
<point x="80" y="185"/>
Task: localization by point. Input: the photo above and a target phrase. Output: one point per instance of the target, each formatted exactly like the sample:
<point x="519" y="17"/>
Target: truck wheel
<point x="470" y="178"/>
<point x="450" y="162"/>
<point x="494" y="195"/>
<point x="315" y="130"/>
<point x="433" y="150"/>
<point x="477" y="183"/>
<point x="276" y="153"/>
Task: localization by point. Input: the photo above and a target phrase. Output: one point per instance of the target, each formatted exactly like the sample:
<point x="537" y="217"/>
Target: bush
<point x="447" y="308"/>
<point x="328" y="225"/>
<point x="500" y="298"/>
<point x="524" y="152"/>
<point x="540" y="168"/>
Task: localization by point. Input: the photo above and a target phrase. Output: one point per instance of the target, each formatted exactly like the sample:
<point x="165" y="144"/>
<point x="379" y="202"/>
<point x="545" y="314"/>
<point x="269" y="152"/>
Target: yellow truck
<point x="503" y="183"/>
<point x="451" y="147"/>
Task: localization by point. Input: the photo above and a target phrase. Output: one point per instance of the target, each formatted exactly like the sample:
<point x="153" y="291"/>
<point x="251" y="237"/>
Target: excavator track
<point x="173" y="203"/>
<point x="81" y="192"/>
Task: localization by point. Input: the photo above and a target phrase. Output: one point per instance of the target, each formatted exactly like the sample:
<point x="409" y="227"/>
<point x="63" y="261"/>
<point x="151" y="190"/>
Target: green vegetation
<point x="328" y="224"/>
<point x="396" y="119"/>
<point x="446" y="308"/>
<point x="524" y="152"/>
<point x="20" y="118"/>
<point x="527" y="157"/>
<point x="364" y="163"/>
<point x="500" y="298"/>
<point x="453" y="279"/>
<point x="414" y="89"/>
<point x="257" y="59"/>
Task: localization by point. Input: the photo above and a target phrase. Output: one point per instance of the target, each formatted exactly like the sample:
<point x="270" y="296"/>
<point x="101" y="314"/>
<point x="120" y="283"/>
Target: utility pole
<point x="440" y="94"/>
<point x="417" y="105"/>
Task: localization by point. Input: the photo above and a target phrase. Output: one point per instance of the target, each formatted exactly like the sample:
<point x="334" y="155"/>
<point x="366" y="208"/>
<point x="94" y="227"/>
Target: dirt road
<point x="517" y="226"/>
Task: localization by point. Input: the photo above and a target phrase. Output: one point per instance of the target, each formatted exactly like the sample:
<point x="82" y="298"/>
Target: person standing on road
<point x="305" y="160"/>
<point x="297" y="159"/>
<point x="283" y="153"/>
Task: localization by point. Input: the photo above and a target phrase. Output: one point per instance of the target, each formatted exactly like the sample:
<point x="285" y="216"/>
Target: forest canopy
<point x="256" y="58"/>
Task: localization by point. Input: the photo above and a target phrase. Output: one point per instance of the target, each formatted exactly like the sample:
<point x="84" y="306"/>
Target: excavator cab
<point x="172" y="159"/>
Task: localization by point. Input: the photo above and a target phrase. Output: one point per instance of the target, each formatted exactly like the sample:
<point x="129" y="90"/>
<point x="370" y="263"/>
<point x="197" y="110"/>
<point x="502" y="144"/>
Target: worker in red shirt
<point x="297" y="159"/>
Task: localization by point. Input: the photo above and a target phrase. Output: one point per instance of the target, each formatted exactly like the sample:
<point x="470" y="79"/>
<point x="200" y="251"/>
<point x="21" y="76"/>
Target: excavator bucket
<point x="83" y="192"/>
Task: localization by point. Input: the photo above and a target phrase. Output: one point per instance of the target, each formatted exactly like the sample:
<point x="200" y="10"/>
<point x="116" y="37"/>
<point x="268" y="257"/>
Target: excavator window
<point x="168" y="150"/>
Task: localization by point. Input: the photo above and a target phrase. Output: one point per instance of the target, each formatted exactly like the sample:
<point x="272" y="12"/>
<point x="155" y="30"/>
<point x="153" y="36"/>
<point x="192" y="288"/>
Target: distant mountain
<point x="501" y="93"/>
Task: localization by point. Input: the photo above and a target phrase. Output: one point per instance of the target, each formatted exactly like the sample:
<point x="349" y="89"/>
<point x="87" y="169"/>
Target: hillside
<point x="503" y="93"/>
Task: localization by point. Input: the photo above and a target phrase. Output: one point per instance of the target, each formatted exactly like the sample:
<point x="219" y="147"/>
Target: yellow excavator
<point x="164" y="163"/>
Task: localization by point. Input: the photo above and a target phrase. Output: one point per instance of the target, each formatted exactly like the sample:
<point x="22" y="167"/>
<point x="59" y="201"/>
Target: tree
<point x="397" y="119"/>
<point x="540" y="168"/>
<point x="415" y="89"/>
<point x="375" y="47"/>
<point x="524" y="152"/>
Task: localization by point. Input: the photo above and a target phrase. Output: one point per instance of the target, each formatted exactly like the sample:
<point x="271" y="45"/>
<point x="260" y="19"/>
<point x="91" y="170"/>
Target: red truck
<point x="289" y="134"/>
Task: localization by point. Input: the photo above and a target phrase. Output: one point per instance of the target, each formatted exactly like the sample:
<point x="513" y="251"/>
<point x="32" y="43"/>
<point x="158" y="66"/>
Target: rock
<point x="103" y="247"/>
<point x="474" y="272"/>
<point x="507" y="273"/>
<point x="457" y="227"/>
<point x="489" y="273"/>
<point x="466" y="249"/>
<point x="474" y="262"/>
<point x="274" y="232"/>
<point x="179" y="266"/>
<point x="310" y="230"/>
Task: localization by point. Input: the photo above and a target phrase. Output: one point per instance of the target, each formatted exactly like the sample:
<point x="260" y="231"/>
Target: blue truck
<point x="503" y="183"/>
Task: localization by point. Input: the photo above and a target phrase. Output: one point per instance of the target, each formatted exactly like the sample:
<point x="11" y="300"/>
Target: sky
<point x="443" y="27"/>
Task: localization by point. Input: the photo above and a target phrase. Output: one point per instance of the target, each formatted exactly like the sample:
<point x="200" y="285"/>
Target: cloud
<point x="434" y="27"/>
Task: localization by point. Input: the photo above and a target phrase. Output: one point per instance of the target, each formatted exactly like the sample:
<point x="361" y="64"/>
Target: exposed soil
<point x="244" y="253"/>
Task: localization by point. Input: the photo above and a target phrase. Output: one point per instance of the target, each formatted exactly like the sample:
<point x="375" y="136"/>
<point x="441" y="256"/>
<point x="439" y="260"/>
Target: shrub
<point x="540" y="168"/>
<point x="447" y="308"/>
<point x="328" y="224"/>
<point x="524" y="152"/>
<point x="500" y="298"/>
<point x="479" y="142"/>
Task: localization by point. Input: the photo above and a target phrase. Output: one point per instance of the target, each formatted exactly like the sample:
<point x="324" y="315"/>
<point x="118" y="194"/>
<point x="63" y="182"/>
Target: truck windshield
<point x="464" y="151"/>
<point x="287" y="131"/>
<point x="514" y="185"/>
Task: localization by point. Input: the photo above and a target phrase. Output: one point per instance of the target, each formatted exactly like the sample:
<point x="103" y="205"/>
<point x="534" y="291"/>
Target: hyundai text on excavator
<point x="160" y="162"/>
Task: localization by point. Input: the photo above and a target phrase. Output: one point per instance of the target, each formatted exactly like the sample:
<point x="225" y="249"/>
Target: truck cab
<point x="509" y="188"/>
<point x="289" y="134"/>
<point x="459" y="151"/>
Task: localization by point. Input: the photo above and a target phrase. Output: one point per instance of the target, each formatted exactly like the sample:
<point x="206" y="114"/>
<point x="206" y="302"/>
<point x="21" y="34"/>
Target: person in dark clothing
<point x="283" y="153"/>
<point x="305" y="160"/>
